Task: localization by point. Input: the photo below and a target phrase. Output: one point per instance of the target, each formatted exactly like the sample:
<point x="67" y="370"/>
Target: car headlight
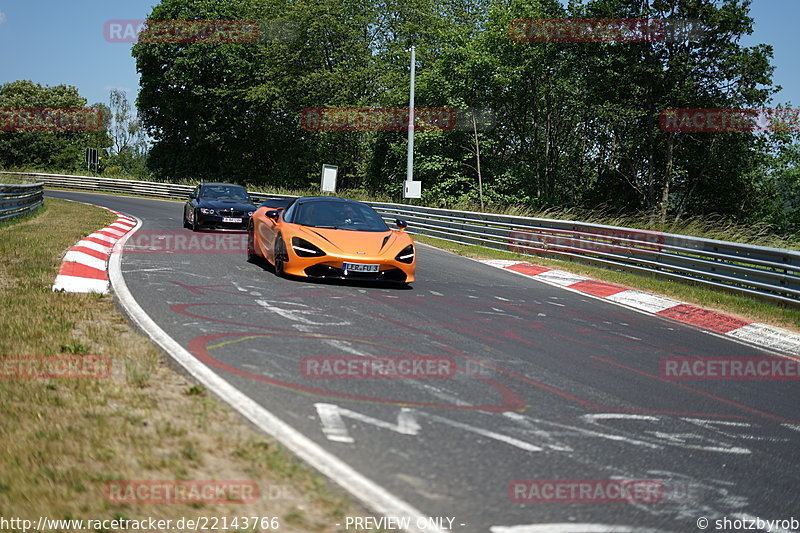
<point x="206" y="211"/>
<point x="303" y="248"/>
<point x="406" y="255"/>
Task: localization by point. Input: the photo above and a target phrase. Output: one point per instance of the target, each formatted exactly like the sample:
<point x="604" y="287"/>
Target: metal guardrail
<point x="17" y="200"/>
<point x="91" y="183"/>
<point x="769" y="273"/>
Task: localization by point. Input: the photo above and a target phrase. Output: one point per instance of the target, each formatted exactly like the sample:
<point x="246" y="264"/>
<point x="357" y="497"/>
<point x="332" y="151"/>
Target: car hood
<point x="227" y="204"/>
<point x="371" y="243"/>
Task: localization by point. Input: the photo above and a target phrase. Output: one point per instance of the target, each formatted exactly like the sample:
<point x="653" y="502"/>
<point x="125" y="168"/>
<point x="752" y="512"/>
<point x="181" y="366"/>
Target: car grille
<point x="231" y="213"/>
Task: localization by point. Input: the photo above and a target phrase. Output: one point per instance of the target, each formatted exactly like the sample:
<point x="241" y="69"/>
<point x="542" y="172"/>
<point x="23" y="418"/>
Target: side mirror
<point x="274" y="214"/>
<point x="255" y="200"/>
<point x="402" y="224"/>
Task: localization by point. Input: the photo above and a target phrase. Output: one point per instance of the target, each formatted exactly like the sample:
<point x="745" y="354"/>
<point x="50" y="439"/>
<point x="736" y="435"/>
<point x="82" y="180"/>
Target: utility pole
<point x="410" y="166"/>
<point x="411" y="188"/>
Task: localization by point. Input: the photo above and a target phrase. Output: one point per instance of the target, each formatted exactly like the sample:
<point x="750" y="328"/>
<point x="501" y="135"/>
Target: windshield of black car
<point x="338" y="215"/>
<point x="225" y="192"/>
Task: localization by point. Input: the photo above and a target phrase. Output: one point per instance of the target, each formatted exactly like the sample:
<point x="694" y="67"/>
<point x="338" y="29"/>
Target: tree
<point x="54" y="148"/>
<point x="128" y="152"/>
<point x="665" y="172"/>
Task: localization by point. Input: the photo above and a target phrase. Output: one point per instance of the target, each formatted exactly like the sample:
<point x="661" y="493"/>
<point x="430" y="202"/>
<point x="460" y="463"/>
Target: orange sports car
<point x="327" y="237"/>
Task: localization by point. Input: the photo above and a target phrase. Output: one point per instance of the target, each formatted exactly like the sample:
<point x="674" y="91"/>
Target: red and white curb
<point x="772" y="337"/>
<point x="85" y="266"/>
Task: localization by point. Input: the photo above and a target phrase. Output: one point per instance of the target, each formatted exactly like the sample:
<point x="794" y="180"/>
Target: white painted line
<point x="368" y="492"/>
<point x="98" y="236"/>
<point x="499" y="263"/>
<point x="116" y="232"/>
<point x="76" y="284"/>
<point x="618" y="416"/>
<point x="106" y="249"/>
<point x="560" y="277"/>
<point x="95" y="246"/>
<point x="774" y="337"/>
<point x="121" y="226"/>
<point x="643" y="300"/>
<point x="331" y="417"/>
<point x="521" y="444"/>
<point x="332" y="424"/>
<point x="83" y="258"/>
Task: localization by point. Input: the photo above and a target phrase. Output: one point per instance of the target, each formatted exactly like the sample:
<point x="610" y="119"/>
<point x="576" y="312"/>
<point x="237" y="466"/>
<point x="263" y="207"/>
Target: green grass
<point x="746" y="307"/>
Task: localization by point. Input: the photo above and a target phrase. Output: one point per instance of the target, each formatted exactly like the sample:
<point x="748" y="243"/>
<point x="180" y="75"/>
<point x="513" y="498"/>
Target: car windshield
<point x="225" y="192"/>
<point x="339" y="215"/>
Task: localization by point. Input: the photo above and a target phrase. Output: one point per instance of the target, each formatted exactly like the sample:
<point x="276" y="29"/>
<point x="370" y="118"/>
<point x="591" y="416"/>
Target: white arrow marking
<point x="334" y="428"/>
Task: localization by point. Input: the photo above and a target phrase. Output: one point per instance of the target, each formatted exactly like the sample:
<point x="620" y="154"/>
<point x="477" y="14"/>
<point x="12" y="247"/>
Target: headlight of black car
<point x="303" y="248"/>
<point x="406" y="255"/>
<point x="206" y="211"/>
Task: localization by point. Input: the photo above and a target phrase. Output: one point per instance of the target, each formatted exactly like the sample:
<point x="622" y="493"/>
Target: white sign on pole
<point x="412" y="189"/>
<point x="92" y="158"/>
<point x="329" y="178"/>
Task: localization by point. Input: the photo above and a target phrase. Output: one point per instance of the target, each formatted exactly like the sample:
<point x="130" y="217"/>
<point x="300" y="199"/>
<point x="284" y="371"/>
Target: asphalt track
<point x="551" y="385"/>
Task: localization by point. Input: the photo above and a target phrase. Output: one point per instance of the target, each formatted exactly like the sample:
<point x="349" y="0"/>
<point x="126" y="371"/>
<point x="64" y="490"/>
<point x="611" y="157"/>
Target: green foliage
<point x="56" y="150"/>
<point x="576" y="124"/>
<point x="128" y="154"/>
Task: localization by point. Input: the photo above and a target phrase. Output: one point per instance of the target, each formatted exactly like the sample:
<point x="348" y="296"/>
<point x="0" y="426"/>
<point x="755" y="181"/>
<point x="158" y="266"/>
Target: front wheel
<point x="280" y="257"/>
<point x="251" y="248"/>
<point x="193" y="222"/>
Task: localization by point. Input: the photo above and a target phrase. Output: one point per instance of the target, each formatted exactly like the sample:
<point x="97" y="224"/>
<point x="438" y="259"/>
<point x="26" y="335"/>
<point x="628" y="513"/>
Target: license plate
<point x="232" y="220"/>
<point x="360" y="267"/>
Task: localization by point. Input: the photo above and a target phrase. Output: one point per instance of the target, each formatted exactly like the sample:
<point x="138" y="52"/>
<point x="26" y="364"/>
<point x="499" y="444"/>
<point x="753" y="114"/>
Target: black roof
<point x="326" y="198"/>
<point x="225" y="184"/>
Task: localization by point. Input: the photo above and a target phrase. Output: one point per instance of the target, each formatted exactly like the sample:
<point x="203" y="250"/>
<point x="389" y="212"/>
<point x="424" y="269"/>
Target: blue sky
<point x="58" y="41"/>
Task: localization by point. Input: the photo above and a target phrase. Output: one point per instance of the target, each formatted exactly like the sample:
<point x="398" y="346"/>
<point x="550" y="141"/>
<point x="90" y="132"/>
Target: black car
<point x="218" y="205"/>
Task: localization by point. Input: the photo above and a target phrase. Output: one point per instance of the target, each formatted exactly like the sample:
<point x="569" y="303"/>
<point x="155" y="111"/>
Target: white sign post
<point x="411" y="188"/>
<point x="329" y="178"/>
<point x="92" y="158"/>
